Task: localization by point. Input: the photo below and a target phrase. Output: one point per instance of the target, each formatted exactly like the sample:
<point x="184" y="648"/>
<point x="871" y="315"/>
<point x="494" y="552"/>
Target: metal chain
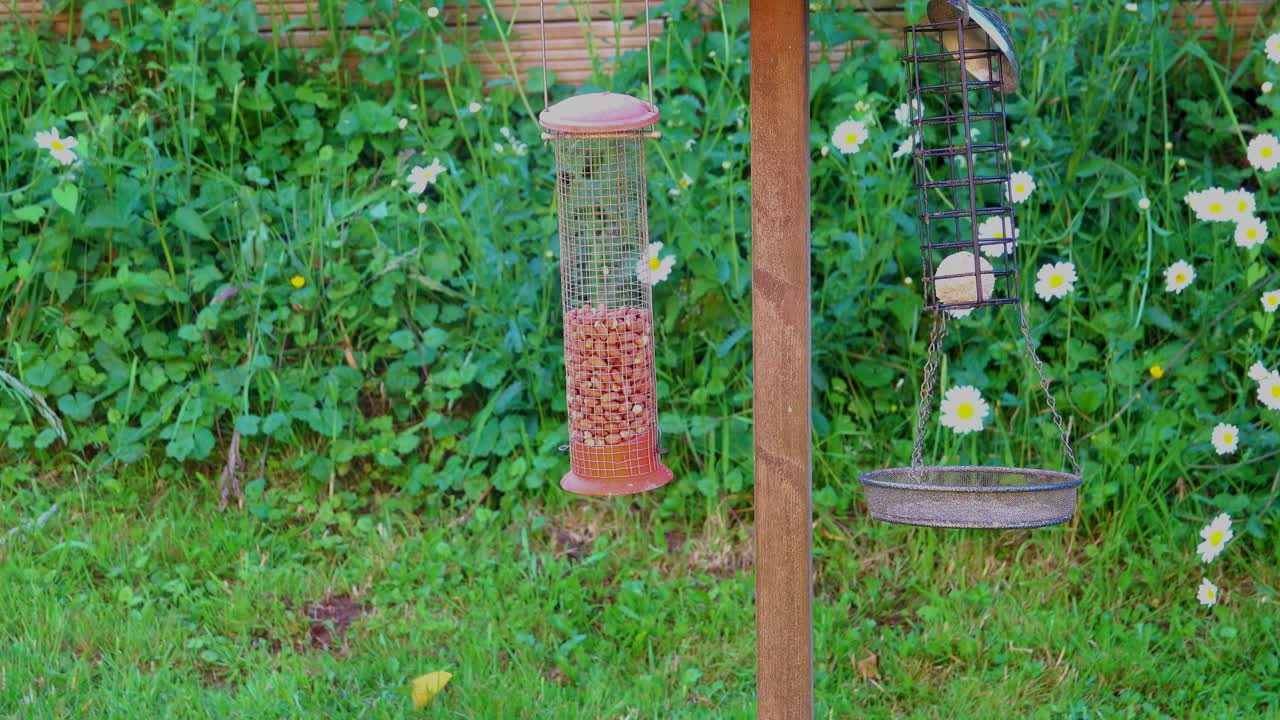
<point x="934" y="355"/>
<point x="1044" y="385"/>
<point x="542" y="25"/>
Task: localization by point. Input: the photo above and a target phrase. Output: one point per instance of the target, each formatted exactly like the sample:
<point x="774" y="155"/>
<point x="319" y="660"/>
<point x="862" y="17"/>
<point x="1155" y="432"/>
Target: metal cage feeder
<point x="610" y="375"/>
<point x="960" y="64"/>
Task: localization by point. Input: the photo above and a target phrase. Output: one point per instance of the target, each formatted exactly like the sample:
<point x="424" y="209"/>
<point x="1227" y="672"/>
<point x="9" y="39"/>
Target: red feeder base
<point x="624" y="469"/>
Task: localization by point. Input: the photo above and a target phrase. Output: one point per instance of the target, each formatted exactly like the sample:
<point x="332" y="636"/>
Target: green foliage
<point x="239" y="253"/>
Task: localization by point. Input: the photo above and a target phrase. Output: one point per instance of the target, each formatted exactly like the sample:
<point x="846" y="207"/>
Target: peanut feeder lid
<point x="602" y="112"/>
<point x="990" y="25"/>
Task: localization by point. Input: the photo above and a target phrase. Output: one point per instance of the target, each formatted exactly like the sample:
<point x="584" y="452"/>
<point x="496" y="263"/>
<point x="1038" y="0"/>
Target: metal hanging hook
<point x="542" y="27"/>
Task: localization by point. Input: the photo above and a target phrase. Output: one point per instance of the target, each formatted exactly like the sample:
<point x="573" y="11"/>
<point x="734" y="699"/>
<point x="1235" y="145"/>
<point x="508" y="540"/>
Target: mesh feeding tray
<point x="971" y="497"/>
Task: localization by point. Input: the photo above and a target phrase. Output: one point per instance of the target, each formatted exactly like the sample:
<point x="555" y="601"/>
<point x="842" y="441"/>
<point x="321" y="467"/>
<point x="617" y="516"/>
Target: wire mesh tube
<point x="608" y="313"/>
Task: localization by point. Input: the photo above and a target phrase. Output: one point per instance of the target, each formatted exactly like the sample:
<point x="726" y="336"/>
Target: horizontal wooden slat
<point x="567" y="53"/>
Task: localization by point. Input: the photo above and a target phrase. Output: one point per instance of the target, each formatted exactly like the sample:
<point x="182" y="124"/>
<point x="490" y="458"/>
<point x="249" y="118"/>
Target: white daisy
<point x="498" y="148"/>
<point x="422" y="208"/>
<point x="1269" y="390"/>
<point x="1055" y="280"/>
<point x="433" y="12"/>
<point x="903" y="113"/>
<point x="1144" y="204"/>
<point x="849" y="136"/>
<point x="420" y="177"/>
<point x="1251" y="232"/>
<point x="685" y="182"/>
<point x="1178" y="276"/>
<point x="61" y="148"/>
<point x="1211" y="204"/>
<point x="474" y="107"/>
<point x="1258" y="372"/>
<point x="1240" y="204"/>
<point x="906" y="147"/>
<point x="1273" y="48"/>
<point x="1264" y="152"/>
<point x="1021" y="185"/>
<point x="963" y="409"/>
<point x="1216" y="535"/>
<point x="688" y="144"/>
<point x="996" y="228"/>
<point x="1208" y="593"/>
<point x="651" y="268"/>
<point x="1271" y="300"/>
<point x="1226" y="438"/>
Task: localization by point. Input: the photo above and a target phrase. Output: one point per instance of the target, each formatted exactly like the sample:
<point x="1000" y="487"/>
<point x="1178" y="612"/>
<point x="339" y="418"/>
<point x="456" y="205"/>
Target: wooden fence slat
<point x="568" y="57"/>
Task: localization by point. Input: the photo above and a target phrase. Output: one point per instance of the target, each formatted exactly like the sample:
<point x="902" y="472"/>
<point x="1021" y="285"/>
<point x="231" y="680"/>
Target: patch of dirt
<point x="573" y="543"/>
<point x="330" y="619"/>
<point x="556" y="675"/>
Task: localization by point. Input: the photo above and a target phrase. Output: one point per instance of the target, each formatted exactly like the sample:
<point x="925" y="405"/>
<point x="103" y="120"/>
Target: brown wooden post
<point x="781" y="353"/>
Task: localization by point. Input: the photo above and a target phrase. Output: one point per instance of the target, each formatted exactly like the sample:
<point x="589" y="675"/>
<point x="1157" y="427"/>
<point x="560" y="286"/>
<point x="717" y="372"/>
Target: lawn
<point x="279" y="427"/>
<point x="139" y="602"/>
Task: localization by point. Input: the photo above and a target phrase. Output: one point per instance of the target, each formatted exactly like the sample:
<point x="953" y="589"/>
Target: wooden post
<point x="781" y="353"/>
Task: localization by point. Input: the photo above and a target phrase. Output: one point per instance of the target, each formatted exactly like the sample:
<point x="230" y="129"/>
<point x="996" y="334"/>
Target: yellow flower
<point x="1157" y="372"/>
<point x="298" y="281"/>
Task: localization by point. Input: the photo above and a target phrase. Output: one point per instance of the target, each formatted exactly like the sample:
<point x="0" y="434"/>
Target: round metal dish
<point x="971" y="497"/>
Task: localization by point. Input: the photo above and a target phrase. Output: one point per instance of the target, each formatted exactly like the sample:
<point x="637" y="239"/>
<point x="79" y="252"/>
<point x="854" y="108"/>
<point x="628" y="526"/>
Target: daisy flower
<point x="420" y="177"/>
<point x="1226" y="438"/>
<point x="1178" y="276"/>
<point x="849" y="136"/>
<point x="1144" y="204"/>
<point x="1211" y="204"/>
<point x="906" y="147"/>
<point x="963" y="409"/>
<point x="1021" y="185"/>
<point x="433" y="12"/>
<point x="60" y="147"/>
<point x="652" y="269"/>
<point x="422" y="208"/>
<point x="997" y="228"/>
<point x="1216" y="535"/>
<point x="685" y="182"/>
<point x="1264" y="151"/>
<point x="1240" y="204"/>
<point x="1269" y="390"/>
<point x="474" y="107"/>
<point x="1258" y="372"/>
<point x="1271" y="301"/>
<point x="1208" y="593"/>
<point x="1251" y="232"/>
<point x="1273" y="48"/>
<point x="1055" y="280"/>
<point x="903" y="113"/>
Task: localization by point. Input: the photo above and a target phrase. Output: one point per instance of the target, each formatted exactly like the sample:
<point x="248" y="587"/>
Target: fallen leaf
<point x="869" y="667"/>
<point x="426" y="687"/>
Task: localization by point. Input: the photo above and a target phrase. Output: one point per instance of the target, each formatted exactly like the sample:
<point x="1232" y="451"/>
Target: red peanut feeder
<point x="608" y="307"/>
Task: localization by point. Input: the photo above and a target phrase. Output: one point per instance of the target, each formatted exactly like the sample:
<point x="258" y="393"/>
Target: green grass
<point x="143" y="603"/>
